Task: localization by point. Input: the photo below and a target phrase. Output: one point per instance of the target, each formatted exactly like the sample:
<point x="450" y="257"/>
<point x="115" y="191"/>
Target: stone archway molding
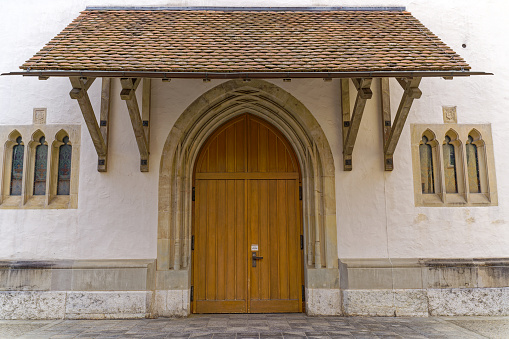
<point x="197" y="122"/>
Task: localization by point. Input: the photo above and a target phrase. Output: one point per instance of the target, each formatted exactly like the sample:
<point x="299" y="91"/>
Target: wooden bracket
<point x="98" y="134"/>
<point x="392" y="133"/>
<point x="351" y="124"/>
<point x="128" y="93"/>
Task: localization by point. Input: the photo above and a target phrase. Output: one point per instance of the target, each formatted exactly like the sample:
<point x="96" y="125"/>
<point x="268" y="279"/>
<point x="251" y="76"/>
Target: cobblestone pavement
<point x="262" y="326"/>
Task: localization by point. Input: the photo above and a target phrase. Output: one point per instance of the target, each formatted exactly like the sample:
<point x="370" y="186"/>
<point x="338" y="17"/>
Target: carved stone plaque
<point x="39" y="116"/>
<point x="450" y="116"/>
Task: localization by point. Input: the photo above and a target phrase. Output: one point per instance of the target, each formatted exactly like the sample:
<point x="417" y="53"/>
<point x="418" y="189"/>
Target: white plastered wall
<point x="117" y="210"/>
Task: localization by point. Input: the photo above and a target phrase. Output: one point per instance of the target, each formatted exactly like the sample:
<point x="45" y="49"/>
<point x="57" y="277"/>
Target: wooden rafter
<point x="391" y="137"/>
<point x="128" y="93"/>
<point x="351" y="124"/>
<point x="79" y="92"/>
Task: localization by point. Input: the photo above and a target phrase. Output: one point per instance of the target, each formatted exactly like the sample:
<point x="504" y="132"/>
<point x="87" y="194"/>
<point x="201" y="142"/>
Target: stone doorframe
<point x="197" y="122"/>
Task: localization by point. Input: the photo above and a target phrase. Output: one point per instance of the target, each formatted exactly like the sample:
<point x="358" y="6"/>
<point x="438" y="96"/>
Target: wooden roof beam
<point x="128" y="93"/>
<point x="391" y="134"/>
<point x="99" y="138"/>
<point x="351" y="124"/>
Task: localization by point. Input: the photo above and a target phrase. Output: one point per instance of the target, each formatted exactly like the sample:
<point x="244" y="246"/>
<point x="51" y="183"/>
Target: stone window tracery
<point x="42" y="174"/>
<point x="460" y="175"/>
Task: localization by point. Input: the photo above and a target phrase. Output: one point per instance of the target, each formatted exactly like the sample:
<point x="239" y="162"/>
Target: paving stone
<point x="260" y="326"/>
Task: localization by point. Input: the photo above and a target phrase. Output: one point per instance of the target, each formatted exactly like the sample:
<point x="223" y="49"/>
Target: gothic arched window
<point x="40" y="167"/>
<point x="18" y="151"/>
<point x="64" y="167"/>
<point x="427" y="172"/>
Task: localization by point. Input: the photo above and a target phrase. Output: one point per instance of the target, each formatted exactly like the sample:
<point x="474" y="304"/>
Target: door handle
<point x="254" y="258"/>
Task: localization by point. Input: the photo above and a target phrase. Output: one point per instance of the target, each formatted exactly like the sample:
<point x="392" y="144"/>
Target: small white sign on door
<point x="254" y="247"/>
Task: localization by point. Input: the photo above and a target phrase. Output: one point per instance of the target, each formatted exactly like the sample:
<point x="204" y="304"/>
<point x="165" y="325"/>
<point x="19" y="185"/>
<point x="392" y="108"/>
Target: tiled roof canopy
<point x="166" y="40"/>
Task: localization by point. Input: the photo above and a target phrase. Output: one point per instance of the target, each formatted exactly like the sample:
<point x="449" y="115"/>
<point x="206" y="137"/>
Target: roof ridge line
<point x="252" y="9"/>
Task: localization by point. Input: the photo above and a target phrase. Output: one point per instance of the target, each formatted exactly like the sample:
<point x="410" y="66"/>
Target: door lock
<point x="254" y="258"/>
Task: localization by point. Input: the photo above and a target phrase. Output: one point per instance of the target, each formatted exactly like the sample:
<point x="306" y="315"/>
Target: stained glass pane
<point x="41" y="161"/>
<point x="17" y="168"/>
<point x="426" y="160"/>
<point x="64" y="168"/>
<point x="474" y="182"/>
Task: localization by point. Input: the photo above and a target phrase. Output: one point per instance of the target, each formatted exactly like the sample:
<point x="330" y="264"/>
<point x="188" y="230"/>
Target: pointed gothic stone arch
<point x="181" y="148"/>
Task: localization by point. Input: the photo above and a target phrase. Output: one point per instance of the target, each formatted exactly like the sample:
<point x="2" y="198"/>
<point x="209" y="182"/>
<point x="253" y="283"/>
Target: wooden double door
<point x="247" y="228"/>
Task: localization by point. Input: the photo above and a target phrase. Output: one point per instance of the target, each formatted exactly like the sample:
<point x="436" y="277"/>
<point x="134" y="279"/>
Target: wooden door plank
<point x="263" y="268"/>
<point x="274" y="235"/>
<point x="231" y="223"/>
<point x="281" y="156"/>
<point x="212" y="165"/>
<point x="253" y="226"/>
<point x="241" y="146"/>
<point x="283" y="239"/>
<point x="246" y="175"/>
<point x="263" y="148"/>
<point x="200" y="246"/>
<point x="252" y="153"/>
<point x="221" y="152"/>
<point x="230" y="149"/>
<point x="221" y="229"/>
<point x="243" y="260"/>
<point x="293" y="238"/>
<point x="211" y="275"/>
<point x="274" y="306"/>
<point x="221" y="306"/>
<point x="272" y="156"/>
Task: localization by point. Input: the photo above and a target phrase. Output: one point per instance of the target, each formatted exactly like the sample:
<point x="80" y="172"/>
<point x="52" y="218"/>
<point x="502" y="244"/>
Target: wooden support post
<point x="79" y="92"/>
<point x="345" y="107"/>
<point x="385" y="110"/>
<point x="128" y="94"/>
<point x="104" y="123"/>
<point x="411" y="92"/>
<point x="363" y="93"/>
<point x="145" y="108"/>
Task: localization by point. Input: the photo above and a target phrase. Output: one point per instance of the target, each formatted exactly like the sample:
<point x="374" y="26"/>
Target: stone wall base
<point x="427" y="302"/>
<point x="321" y="301"/>
<point x="175" y="303"/>
<point x="172" y="303"/>
<point x="74" y="304"/>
